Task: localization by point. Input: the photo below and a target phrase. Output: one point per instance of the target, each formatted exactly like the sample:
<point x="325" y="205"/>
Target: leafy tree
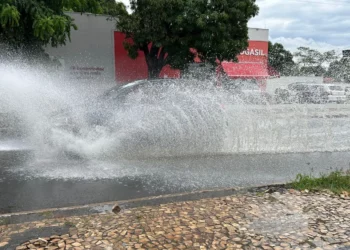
<point x="314" y="62"/>
<point x="281" y="59"/>
<point x="28" y="25"/>
<point x="317" y="70"/>
<point x="109" y="7"/>
<point x="165" y="30"/>
<point x="340" y="70"/>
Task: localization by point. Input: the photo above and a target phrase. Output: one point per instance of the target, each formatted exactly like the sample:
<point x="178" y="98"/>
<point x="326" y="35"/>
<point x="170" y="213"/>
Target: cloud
<point x="321" y="24"/>
<point x="293" y="43"/>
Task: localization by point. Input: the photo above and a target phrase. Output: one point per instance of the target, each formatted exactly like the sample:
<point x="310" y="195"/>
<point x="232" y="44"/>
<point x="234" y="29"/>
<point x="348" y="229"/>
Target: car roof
<point x="167" y="81"/>
<point x="135" y="83"/>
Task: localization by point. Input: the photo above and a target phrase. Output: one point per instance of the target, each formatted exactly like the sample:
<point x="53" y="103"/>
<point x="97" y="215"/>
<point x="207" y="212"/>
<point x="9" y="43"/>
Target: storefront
<point x="252" y="63"/>
<point x="96" y="55"/>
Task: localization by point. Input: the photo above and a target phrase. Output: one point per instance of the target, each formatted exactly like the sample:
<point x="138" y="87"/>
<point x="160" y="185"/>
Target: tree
<point x="340" y="70"/>
<point x="165" y="30"/>
<point x="317" y="70"/>
<point x="28" y="25"/>
<point x="281" y="59"/>
<point x="109" y="7"/>
<point x="313" y="62"/>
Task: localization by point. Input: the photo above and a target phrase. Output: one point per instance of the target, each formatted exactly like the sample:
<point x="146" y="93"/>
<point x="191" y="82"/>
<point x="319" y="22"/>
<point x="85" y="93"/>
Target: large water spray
<point x="181" y="120"/>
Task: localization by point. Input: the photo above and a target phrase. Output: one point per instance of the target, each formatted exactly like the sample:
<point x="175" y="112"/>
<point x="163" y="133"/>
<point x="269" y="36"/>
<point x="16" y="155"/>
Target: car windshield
<point x="297" y="87"/>
<point x="317" y="87"/>
<point x="294" y="86"/>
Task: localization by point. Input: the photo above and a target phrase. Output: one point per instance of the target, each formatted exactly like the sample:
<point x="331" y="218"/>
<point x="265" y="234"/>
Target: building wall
<point x="96" y="57"/>
<point x="255" y="34"/>
<point x="127" y="69"/>
<point x="88" y="60"/>
<point x="258" y="46"/>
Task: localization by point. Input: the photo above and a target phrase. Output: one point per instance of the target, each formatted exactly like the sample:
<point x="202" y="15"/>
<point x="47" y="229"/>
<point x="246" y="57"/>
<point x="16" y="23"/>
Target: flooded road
<point x="30" y="185"/>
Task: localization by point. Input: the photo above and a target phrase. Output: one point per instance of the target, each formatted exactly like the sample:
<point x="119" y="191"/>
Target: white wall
<point x="255" y="34"/>
<point x="88" y="60"/>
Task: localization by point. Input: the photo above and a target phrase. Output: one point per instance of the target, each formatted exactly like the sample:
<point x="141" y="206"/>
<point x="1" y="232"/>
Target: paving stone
<point x="289" y="220"/>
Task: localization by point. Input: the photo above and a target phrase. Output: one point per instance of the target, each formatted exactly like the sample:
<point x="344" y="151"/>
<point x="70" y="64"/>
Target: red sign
<point x="256" y="52"/>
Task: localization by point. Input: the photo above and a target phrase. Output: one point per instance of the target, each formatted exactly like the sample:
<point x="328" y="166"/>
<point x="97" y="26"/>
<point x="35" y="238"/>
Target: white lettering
<point x="253" y="52"/>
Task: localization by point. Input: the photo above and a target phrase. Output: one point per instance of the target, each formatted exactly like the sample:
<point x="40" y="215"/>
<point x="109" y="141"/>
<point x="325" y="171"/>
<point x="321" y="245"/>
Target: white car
<point x="336" y="93"/>
<point x="314" y="93"/>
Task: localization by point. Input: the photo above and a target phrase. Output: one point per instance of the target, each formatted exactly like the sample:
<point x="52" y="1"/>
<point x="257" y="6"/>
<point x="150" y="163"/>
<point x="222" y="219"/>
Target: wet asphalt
<point x="27" y="184"/>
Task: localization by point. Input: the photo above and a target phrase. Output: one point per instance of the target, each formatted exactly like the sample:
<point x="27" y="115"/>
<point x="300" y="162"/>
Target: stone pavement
<point x="280" y="220"/>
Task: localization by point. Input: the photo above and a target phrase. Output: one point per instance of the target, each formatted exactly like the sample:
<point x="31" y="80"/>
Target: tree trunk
<point x="155" y="61"/>
<point x="155" y="66"/>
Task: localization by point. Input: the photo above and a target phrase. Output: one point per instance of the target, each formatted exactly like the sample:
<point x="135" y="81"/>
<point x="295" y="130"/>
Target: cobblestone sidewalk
<point x="287" y="220"/>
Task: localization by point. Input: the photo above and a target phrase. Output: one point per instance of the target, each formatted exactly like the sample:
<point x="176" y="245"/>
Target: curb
<point x="106" y="207"/>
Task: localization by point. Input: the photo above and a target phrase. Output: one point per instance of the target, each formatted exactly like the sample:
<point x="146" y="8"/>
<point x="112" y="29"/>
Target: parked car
<point x="303" y="92"/>
<point x="336" y="93"/>
<point x="347" y="92"/>
<point x="248" y="91"/>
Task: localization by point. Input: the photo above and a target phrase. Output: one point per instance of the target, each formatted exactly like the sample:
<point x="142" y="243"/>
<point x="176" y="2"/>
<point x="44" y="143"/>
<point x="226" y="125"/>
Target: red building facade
<point x="252" y="63"/>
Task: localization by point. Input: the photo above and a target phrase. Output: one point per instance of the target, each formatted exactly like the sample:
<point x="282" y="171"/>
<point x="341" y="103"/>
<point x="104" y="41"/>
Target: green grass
<point x="5" y="221"/>
<point x="337" y="182"/>
<point x="69" y="224"/>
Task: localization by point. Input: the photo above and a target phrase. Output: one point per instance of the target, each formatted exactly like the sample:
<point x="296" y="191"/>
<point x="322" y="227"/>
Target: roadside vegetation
<point x="337" y="182"/>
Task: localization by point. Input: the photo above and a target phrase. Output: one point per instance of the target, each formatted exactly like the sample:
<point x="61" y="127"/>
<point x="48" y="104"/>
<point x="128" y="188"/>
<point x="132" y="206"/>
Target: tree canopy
<point x="109" y="7"/>
<point x="340" y="70"/>
<point x="313" y="62"/>
<point x="27" y="25"/>
<point x="166" y="30"/>
<point x="281" y="59"/>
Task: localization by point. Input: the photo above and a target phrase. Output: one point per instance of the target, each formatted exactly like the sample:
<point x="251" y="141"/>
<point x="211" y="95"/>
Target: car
<point x="304" y="92"/>
<point x="300" y="92"/>
<point x="335" y="93"/>
<point x="247" y="91"/>
<point x="164" y="114"/>
<point x="99" y="111"/>
<point x="282" y="95"/>
<point x="347" y="93"/>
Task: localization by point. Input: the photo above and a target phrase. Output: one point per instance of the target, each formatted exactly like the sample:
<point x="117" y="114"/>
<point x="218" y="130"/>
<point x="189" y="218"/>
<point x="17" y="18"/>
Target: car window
<point x="337" y="88"/>
<point x="294" y="86"/>
<point x="300" y="87"/>
<point x="143" y="91"/>
<point x="120" y="93"/>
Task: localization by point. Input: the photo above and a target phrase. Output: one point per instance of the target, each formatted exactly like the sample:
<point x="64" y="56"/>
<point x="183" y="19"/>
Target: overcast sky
<point x="320" y="24"/>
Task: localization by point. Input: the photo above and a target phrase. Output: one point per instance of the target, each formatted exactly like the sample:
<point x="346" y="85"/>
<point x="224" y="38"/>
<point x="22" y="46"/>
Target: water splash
<point x="198" y="120"/>
<point x="183" y="121"/>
